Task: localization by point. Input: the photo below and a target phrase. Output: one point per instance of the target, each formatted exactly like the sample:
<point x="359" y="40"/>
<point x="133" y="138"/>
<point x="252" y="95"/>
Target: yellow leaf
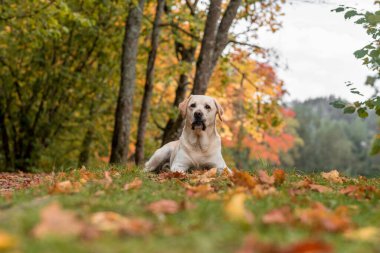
<point x="235" y="209"/>
<point x="6" y="241"/>
<point x="363" y="234"/>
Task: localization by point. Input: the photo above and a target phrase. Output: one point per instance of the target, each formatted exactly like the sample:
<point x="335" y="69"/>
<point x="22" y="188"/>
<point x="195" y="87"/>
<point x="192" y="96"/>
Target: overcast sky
<point x="317" y="45"/>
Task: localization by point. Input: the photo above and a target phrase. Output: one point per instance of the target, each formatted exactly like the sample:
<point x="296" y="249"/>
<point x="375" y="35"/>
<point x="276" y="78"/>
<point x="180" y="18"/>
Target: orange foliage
<point x="253" y="117"/>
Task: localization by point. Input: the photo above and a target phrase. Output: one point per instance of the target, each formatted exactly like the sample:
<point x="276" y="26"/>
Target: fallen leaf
<point x="251" y="245"/>
<point x="361" y="191"/>
<point x="164" y="206"/>
<point x="349" y="189"/>
<point x="108" y="179"/>
<point x="135" y="184"/>
<point x="261" y="190"/>
<point x="202" y="190"/>
<point x="305" y="183"/>
<point x="206" y="177"/>
<point x="279" y="176"/>
<point x="114" y="222"/>
<point x="106" y="221"/>
<point x="136" y="227"/>
<point x="213" y="172"/>
<point x="65" y="187"/>
<point x="265" y="178"/>
<point x="243" y="178"/>
<point x="235" y="209"/>
<point x="7" y="241"/>
<point x="86" y="175"/>
<point x="320" y="217"/>
<point x="171" y="175"/>
<point x="332" y="176"/>
<point x="320" y="188"/>
<point x="281" y="215"/>
<point x="370" y="234"/>
<point x="308" y="246"/>
<point x="58" y="222"/>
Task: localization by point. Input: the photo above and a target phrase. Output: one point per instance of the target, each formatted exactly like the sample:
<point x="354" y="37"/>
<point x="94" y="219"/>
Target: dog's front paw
<point x="148" y="167"/>
<point x="178" y="169"/>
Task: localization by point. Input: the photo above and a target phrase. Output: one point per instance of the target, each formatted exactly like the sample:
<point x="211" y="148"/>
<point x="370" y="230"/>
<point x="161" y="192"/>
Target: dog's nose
<point x="198" y="115"/>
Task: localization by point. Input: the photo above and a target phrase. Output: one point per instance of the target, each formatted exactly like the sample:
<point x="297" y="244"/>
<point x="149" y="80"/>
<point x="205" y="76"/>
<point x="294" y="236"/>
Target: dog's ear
<point x="183" y="106"/>
<point x="219" y="110"/>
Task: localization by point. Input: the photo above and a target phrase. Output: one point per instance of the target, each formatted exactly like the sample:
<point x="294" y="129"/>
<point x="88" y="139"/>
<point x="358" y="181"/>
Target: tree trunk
<point x="124" y="108"/>
<point x="214" y="41"/>
<point x="86" y="147"/>
<point x="174" y="127"/>
<point x="5" y="143"/>
<point x="149" y="80"/>
<point x="84" y="154"/>
<point x="202" y="74"/>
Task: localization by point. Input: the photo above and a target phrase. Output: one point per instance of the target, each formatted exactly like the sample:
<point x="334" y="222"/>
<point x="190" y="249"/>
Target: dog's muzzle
<point x="198" y="124"/>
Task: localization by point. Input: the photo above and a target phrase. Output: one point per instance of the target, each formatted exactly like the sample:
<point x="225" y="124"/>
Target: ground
<point x="126" y="210"/>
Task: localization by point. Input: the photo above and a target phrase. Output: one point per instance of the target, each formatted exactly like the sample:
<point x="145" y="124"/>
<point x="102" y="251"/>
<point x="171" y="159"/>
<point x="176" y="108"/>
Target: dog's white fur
<point x="199" y="145"/>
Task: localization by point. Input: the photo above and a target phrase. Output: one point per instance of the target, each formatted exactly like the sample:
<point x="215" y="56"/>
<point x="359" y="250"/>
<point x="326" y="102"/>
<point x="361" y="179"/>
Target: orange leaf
<point x="135" y="184"/>
<point x="305" y="183"/>
<point x="199" y="190"/>
<point x="243" y="178"/>
<point x="320" y="217"/>
<point x="111" y="221"/>
<point x="58" y="222"/>
<point x="332" y="176"/>
<point x="65" y="187"/>
<point x="265" y="178"/>
<point x="281" y="215"/>
<point x="279" y="176"/>
<point x="164" y="206"/>
<point x="320" y="188"/>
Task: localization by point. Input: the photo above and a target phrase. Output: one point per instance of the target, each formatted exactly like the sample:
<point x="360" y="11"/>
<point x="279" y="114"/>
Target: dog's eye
<point x="207" y="107"/>
<point x="193" y="105"/>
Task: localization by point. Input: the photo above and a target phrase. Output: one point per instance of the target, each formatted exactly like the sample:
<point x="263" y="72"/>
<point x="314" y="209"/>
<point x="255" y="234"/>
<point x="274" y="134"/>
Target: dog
<point x="199" y="145"/>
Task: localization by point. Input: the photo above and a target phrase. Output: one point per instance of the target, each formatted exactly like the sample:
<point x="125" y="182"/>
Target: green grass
<point x="202" y="229"/>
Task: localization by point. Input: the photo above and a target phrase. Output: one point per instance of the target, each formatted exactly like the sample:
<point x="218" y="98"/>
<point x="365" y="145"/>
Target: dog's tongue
<point x="198" y="125"/>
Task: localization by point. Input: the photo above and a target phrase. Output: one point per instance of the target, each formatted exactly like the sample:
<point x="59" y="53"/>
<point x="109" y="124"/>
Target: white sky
<point x="317" y="45"/>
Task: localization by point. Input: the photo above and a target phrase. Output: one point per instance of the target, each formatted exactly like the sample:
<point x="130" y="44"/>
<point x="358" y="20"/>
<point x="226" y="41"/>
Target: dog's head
<point x="200" y="111"/>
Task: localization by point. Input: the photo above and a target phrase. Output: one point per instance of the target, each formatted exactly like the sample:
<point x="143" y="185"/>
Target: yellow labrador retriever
<point x="199" y="145"/>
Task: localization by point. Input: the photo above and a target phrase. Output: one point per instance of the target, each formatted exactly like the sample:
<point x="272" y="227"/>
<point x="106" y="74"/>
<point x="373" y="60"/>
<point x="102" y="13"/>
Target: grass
<point x="202" y="229"/>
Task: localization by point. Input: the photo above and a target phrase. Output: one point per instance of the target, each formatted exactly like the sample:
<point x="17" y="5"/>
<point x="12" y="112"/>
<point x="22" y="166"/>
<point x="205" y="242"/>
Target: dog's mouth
<point x="198" y="124"/>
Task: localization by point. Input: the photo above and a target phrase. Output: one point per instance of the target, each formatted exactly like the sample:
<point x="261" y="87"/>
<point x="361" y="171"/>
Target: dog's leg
<point x="159" y="157"/>
<point x="180" y="161"/>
